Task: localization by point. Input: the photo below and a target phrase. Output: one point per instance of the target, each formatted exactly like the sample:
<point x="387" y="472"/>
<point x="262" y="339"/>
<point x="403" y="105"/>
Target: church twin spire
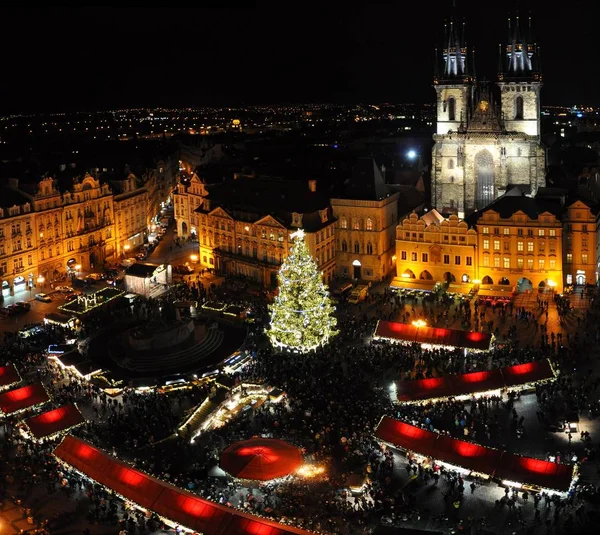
<point x="520" y="60"/>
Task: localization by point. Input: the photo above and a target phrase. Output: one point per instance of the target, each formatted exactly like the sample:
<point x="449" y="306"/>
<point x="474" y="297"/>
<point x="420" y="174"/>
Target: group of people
<point x="334" y="398"/>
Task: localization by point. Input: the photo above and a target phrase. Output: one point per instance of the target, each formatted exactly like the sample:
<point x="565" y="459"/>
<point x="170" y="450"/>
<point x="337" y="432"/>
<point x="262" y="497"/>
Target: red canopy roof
<point x="178" y="505"/>
<point x="54" y="421"/>
<point x="535" y="471"/>
<point x="9" y="375"/>
<point x="496" y="463"/>
<point x="470" y="383"/>
<point x="22" y="398"/>
<point x="433" y="335"/>
<point x="261" y="459"/>
<point x="527" y="373"/>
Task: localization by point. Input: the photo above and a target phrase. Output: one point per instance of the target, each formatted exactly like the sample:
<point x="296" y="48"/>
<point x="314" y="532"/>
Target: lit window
<point x="584" y="258"/>
<point x="506" y="262"/>
<point x="552" y="263"/>
<point x="343" y="223"/>
<point x="569" y="258"/>
<point x="541" y="263"/>
<point x="506" y="231"/>
<point x="497" y="261"/>
<point x="541" y="232"/>
<point x="496" y="245"/>
<point x="486" y="230"/>
<point x="530" y="247"/>
<point x="486" y="244"/>
<point x="530" y="263"/>
<point x="520" y="246"/>
<point x="369" y="223"/>
<point x="519" y="263"/>
<point x="486" y="260"/>
<point x="552" y="232"/>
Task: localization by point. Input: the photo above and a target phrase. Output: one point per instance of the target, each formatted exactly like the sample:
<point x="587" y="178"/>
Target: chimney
<point x="312" y="185"/>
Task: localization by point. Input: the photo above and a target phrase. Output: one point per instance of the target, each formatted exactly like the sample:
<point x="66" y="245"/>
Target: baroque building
<point x="244" y="226"/>
<point x="484" y="143"/>
<point x="366" y="216"/>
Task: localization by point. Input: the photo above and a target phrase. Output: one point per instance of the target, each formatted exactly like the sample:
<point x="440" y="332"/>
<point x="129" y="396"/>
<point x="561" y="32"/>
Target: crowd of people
<point x="334" y="399"/>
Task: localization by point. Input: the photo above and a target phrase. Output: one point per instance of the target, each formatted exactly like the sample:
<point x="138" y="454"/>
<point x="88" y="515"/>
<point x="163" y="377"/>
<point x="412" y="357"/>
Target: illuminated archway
<point x="487" y="280"/>
<point x="408" y="274"/>
<point x="425" y="275"/>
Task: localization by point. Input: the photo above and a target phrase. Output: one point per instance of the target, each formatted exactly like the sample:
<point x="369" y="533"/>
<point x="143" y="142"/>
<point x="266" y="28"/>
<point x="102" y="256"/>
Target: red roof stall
<point x="453" y="385"/>
<point x="468" y="455"/>
<point x="23" y="398"/>
<point x="260" y="459"/>
<point x="177" y="505"/>
<point x="471" y="383"/>
<point x="498" y="464"/>
<point x="535" y="472"/>
<point x="527" y="373"/>
<point x="433" y="335"/>
<point x="8" y="376"/>
<point x="406" y="436"/>
<point x="54" y="421"/>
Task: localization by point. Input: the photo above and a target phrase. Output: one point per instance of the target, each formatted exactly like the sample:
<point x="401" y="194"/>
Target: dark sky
<point x="97" y="58"/>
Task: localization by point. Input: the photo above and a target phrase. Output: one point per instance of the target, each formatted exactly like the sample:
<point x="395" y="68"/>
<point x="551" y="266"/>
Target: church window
<point x="450" y="163"/>
<point x="369" y="248"/>
<point x="355" y="223"/>
<point x="519" y="107"/>
<point x="356" y="247"/>
<point x="344" y="246"/>
<point x="343" y="223"/>
<point x="369" y="223"/>
<point x="451" y="109"/>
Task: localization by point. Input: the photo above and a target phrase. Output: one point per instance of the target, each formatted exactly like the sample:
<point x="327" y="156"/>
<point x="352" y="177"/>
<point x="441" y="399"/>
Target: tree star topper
<point x="298" y="234"/>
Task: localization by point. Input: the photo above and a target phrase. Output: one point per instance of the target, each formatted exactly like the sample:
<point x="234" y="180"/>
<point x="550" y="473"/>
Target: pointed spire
<point x="520" y="53"/>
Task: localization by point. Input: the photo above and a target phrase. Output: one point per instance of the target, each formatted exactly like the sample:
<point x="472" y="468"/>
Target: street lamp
<point x="40" y="281"/>
<point x="419" y="323"/>
<point x="194" y="258"/>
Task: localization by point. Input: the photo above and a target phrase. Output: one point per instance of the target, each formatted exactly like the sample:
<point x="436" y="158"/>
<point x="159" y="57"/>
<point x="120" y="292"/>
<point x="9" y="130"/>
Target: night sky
<point x="100" y="58"/>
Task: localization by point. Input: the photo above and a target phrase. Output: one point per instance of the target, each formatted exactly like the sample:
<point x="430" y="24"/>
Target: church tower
<point x="488" y="137"/>
<point x="520" y="80"/>
<point x="453" y="80"/>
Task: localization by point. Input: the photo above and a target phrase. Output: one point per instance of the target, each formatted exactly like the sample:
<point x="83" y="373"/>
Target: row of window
<point x="420" y="235"/>
<point x="521" y="246"/>
<point x="369" y="247"/>
<point x="414" y="257"/>
<point x="357" y="223"/>
<point x="584" y="258"/>
<point x="521" y="232"/>
<point x="506" y="263"/>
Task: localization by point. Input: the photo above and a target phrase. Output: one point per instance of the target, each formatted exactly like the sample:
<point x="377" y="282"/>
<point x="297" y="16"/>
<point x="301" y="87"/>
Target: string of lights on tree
<point x="302" y="313"/>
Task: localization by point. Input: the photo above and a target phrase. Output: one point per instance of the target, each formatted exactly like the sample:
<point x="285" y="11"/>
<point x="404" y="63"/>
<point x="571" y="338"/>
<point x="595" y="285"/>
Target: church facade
<point x="487" y="138"/>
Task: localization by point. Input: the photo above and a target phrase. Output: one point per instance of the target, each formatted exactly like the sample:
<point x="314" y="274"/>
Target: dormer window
<point x="296" y="219"/>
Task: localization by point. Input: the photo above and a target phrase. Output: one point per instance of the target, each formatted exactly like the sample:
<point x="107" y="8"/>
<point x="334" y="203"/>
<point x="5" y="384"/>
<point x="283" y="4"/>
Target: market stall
<point x="9" y="376"/>
<point x="435" y="336"/>
<point x="260" y="459"/>
<point x="510" y="469"/>
<point x="22" y="398"/>
<point x="56" y="421"/>
<point x="480" y="383"/>
<point x="176" y="506"/>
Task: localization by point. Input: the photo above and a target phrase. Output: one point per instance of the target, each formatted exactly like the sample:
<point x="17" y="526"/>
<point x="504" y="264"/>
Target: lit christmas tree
<point x="302" y="314"/>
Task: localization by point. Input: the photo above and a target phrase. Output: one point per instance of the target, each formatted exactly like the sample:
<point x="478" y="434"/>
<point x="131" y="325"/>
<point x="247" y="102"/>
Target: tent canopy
<point x="177" y="505"/>
<point x="9" y="375"/>
<point x="471" y="383"/>
<point x="470" y="456"/>
<point x="51" y="422"/>
<point x="260" y="459"/>
<point x="23" y="398"/>
<point x="433" y="335"/>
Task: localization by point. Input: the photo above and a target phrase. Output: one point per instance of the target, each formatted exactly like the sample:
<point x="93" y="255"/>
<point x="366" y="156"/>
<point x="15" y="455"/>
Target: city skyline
<point x="102" y="58"/>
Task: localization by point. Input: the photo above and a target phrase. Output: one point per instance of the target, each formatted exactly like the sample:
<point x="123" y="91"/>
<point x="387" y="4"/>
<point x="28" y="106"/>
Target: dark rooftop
<point x="140" y="269"/>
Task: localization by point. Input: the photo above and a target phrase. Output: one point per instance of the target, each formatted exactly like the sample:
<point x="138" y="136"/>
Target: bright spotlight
<point x="411" y="154"/>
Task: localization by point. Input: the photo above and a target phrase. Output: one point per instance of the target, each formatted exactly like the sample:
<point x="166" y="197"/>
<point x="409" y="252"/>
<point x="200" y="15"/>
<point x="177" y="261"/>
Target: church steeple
<point x="520" y="60"/>
<point x="455" y="61"/>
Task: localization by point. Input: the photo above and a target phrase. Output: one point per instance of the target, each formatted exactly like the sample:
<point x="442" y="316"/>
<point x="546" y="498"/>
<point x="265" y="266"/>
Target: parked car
<point x="23" y="305"/>
<point x="183" y="269"/>
<point x="95" y="276"/>
<point x="44" y="298"/>
<point x="64" y="289"/>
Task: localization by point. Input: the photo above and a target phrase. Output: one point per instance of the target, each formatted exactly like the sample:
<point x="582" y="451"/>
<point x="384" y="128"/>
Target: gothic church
<point x="483" y="146"/>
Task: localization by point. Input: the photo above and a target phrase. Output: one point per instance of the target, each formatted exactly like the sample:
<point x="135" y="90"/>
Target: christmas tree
<point x="301" y="314"/>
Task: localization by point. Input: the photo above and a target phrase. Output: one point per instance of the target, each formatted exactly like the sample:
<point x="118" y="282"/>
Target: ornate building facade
<point x="435" y="249"/>
<point x="484" y="144"/>
<point x="132" y="214"/>
<point x="366" y="216"/>
<point x="244" y="227"/>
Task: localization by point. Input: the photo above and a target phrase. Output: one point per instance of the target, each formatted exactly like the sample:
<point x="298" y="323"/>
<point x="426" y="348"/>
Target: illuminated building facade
<point x="366" y="216"/>
<point x="482" y="147"/>
<point x="579" y="247"/>
<point x="520" y="242"/>
<point x="436" y="249"/>
<point x="132" y="215"/>
<point x="18" y="253"/>
<point x="244" y="227"/>
<point x="188" y="196"/>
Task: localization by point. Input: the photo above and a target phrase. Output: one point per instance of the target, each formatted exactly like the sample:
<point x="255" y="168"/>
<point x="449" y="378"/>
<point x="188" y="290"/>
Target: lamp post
<point x="418" y="324"/>
<point x="40" y="281"/>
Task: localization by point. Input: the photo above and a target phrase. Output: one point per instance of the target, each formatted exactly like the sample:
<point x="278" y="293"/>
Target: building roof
<point x="140" y="269"/>
<point x="251" y="199"/>
<point x="9" y="197"/>
<point x="514" y="201"/>
<point x="366" y="182"/>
